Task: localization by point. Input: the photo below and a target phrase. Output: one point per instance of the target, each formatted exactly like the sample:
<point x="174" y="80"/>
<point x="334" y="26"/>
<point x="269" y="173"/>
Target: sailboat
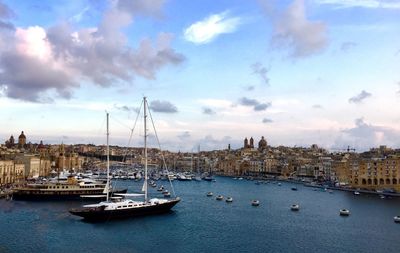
<point x="121" y="206"/>
<point x="209" y="177"/>
<point x="197" y="177"/>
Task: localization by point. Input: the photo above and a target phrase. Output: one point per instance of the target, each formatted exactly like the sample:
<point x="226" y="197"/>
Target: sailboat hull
<point x="100" y="214"/>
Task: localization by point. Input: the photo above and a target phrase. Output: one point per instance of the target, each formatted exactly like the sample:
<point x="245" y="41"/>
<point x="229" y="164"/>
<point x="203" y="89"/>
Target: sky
<point x="297" y="72"/>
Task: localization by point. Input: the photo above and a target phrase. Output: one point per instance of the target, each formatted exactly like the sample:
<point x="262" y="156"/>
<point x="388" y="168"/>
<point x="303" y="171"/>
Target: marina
<point x="236" y="226"/>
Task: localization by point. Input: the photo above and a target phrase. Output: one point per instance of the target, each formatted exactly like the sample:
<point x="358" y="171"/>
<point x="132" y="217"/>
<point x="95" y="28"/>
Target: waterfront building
<point x="11" y="172"/>
<point x="376" y="173"/>
<point x="68" y="160"/>
<point x="31" y="164"/>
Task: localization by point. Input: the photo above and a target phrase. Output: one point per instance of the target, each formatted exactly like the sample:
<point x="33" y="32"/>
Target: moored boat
<point x="229" y="199"/>
<point x="219" y="197"/>
<point x="255" y="203"/>
<point x="396" y="219"/>
<point x="295" y="207"/>
<point x="61" y="191"/>
<point x="344" y="212"/>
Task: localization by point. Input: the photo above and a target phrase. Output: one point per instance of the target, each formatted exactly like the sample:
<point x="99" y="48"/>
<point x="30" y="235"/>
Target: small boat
<point x="382" y="196"/>
<point x="279" y="184"/>
<point x="294" y="188"/>
<point x="240" y="178"/>
<point x="167" y="194"/>
<point x="344" y="212"/>
<point x="295" y="207"/>
<point x="396" y="219"/>
<point x="356" y="193"/>
<point x="209" y="194"/>
<point x="161" y="188"/>
<point x="255" y="203"/>
<point x="219" y="197"/>
<point x="229" y="199"/>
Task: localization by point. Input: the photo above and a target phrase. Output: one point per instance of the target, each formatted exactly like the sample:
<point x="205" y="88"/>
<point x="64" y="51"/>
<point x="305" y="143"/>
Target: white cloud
<point x="372" y="4"/>
<point x="207" y="30"/>
<point x="295" y="32"/>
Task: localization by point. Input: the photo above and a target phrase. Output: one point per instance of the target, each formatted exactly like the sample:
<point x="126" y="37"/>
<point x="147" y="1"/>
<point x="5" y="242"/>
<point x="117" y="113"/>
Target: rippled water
<point x="202" y="224"/>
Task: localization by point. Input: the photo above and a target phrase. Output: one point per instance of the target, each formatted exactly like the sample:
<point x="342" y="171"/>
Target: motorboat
<point x="219" y="197"/>
<point x="356" y="193"/>
<point x="255" y="203"/>
<point x="166" y="194"/>
<point x="344" y="212"/>
<point x="209" y="194"/>
<point x="396" y="219"/>
<point x="229" y="199"/>
<point x="295" y="207"/>
<point x="294" y="188"/>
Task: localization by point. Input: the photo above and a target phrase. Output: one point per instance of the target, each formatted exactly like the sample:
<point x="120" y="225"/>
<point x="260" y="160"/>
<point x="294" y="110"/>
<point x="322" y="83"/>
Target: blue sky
<point x="297" y="72"/>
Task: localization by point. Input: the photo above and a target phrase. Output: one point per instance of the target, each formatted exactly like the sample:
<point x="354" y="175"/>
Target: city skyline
<point x="297" y="72"/>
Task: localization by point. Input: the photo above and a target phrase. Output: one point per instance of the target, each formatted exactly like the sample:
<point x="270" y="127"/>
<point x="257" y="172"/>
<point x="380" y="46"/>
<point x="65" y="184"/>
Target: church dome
<point x="22" y="135"/>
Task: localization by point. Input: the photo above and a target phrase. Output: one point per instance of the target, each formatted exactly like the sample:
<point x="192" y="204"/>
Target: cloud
<point x="360" y="97"/>
<point x="208" y="29"/>
<point x="211" y="143"/>
<point x="250" y="88"/>
<point x="262" y="106"/>
<point x="163" y="106"/>
<point x="261" y="71"/>
<point x="317" y="106"/>
<point x="371" y="4"/>
<point x="126" y="108"/>
<point x="293" y="31"/>
<point x="57" y="59"/>
<point x="184" y="136"/>
<point x="5" y="11"/>
<point x="346" y="46"/>
<point x="208" y="111"/>
<point x="152" y="8"/>
<point x="257" y="106"/>
<point x="5" y="14"/>
<point x="79" y="16"/>
<point x="398" y="92"/>
<point x="265" y="120"/>
<point x="364" y="136"/>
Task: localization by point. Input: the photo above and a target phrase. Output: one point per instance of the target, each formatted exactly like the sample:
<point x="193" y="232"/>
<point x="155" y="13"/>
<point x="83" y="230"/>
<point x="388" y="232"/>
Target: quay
<point x="390" y="194"/>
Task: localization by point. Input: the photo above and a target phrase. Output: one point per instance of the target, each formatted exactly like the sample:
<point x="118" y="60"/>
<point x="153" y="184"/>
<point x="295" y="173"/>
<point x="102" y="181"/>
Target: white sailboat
<point x="123" y="206"/>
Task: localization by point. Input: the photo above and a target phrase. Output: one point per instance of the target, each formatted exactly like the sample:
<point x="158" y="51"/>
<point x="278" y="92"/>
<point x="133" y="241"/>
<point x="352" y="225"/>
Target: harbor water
<point x="202" y="224"/>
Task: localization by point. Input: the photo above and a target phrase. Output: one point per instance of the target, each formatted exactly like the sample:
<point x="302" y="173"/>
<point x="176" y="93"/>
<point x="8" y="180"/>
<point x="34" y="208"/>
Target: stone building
<point x="21" y="140"/>
<point x="262" y="144"/>
<point x="375" y="173"/>
<point x="11" y="172"/>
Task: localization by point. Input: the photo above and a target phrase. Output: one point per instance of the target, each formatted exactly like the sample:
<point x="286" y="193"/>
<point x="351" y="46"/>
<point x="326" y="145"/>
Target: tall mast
<point x="108" y="159"/>
<point x="145" y="148"/>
